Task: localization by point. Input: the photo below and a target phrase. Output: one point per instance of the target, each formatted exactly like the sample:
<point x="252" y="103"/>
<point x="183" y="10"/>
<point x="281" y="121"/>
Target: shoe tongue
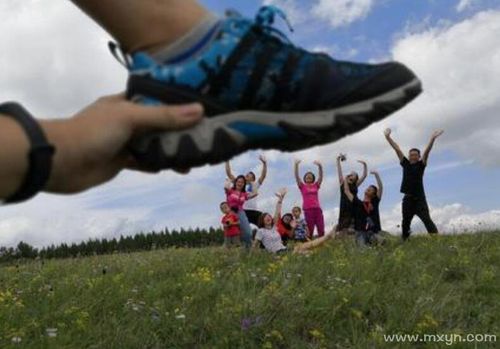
<point x="142" y="60"/>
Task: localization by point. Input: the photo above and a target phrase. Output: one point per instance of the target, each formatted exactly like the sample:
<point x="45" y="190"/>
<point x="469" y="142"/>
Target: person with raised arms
<point x="309" y="188"/>
<point x="269" y="236"/>
<point x="236" y="196"/>
<point x="366" y="213"/>
<point x="346" y="214"/>
<point x="251" y="206"/>
<point x="412" y="185"/>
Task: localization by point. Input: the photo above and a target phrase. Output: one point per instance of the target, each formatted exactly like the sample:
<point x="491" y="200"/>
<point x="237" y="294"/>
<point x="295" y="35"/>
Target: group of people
<point x="357" y="217"/>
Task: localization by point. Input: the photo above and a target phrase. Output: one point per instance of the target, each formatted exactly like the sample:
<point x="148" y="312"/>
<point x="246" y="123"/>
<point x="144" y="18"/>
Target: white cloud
<point x="450" y="219"/>
<point x="463" y="5"/>
<point x="341" y="13"/>
<point x="55" y="60"/>
<point x="459" y="67"/>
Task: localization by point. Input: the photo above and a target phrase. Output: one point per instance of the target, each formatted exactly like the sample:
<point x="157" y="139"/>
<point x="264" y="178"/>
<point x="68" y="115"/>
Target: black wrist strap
<point x="39" y="157"/>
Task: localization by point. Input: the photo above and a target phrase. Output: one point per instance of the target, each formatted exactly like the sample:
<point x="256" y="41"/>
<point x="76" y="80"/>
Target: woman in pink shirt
<point x="309" y="189"/>
<point x="236" y="196"/>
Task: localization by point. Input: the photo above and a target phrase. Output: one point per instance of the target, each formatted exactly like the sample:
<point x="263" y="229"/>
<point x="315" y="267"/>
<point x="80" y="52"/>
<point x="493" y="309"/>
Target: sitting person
<point x="301" y="231"/>
<point x="366" y="213"/>
<point x="269" y="236"/>
<point x="231" y="225"/>
<point x="285" y="228"/>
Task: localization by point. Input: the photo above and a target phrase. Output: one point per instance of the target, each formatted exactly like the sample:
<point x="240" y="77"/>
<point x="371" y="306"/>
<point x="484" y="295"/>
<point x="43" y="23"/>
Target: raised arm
<point x="320" y="172"/>
<point x="277" y="212"/>
<point x="228" y="184"/>
<point x="380" y="185"/>
<point x="339" y="168"/>
<point x="365" y="172"/>
<point x="229" y="173"/>
<point x="393" y="144"/>
<point x="347" y="191"/>
<point x="296" y="172"/>
<point x="264" y="169"/>
<point x="427" y="151"/>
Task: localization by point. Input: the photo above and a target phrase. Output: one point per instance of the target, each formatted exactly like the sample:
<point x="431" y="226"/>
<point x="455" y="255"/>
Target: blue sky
<point x="450" y="44"/>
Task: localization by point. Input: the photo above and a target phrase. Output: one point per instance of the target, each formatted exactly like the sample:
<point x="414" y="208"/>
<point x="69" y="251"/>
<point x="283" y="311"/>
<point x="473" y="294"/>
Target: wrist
<point x="58" y="133"/>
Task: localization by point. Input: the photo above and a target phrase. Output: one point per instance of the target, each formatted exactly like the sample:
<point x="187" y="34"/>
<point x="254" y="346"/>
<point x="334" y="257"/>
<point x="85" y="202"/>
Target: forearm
<point x="339" y="170"/>
<point x="296" y="173"/>
<point x="395" y="146"/>
<point x="320" y="173"/>
<point x="264" y="173"/>
<point x="14" y="151"/>
<point x="228" y="171"/>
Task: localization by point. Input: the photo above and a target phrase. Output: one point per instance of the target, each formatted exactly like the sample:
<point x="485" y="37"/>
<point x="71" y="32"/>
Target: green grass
<point x="338" y="297"/>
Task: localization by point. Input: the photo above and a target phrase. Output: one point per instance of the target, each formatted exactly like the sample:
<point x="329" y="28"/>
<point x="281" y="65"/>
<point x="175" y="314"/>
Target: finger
<point x="165" y="117"/>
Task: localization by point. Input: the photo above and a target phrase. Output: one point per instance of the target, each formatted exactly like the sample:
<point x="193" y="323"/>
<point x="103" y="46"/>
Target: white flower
<point x="16" y="340"/>
<point x="51" y="332"/>
<point x="180" y="317"/>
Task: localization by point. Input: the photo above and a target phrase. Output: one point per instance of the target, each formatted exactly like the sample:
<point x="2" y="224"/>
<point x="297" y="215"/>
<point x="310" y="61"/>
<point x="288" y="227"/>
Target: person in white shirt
<point x="270" y="238"/>
<point x="253" y="185"/>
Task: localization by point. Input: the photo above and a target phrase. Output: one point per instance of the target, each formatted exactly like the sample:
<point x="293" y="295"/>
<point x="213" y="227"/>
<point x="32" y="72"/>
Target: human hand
<point x="437" y="133"/>
<point x="91" y="147"/>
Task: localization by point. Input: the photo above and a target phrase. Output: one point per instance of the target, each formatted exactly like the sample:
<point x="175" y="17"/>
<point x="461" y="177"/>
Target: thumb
<point x="166" y="117"/>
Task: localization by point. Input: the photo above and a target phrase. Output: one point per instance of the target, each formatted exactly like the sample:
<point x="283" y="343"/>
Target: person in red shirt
<point x="231" y="225"/>
<point x="285" y="228"/>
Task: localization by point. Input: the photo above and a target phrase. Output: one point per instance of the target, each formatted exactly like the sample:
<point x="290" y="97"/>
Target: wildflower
<point x="180" y="317"/>
<point x="246" y="324"/>
<point x="317" y="334"/>
<point x="16" y="340"/>
<point x="357" y="313"/>
<point x="51" y="332"/>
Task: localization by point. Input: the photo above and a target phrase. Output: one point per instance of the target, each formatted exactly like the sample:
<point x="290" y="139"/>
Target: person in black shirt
<point x="346" y="216"/>
<point x="366" y="212"/>
<point x="412" y="185"/>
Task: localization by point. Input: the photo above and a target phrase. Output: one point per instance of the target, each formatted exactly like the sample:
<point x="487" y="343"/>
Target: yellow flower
<point x="203" y="274"/>
<point x="267" y="345"/>
<point x="357" y="313"/>
<point x="317" y="334"/>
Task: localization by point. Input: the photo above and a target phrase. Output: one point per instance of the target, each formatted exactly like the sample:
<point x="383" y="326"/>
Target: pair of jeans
<point x="416" y="206"/>
<point x="314" y="218"/>
<point x="246" y="230"/>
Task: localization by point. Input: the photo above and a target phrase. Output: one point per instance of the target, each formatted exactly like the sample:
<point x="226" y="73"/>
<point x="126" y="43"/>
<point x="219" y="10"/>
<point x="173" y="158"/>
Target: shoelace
<point x="265" y="19"/>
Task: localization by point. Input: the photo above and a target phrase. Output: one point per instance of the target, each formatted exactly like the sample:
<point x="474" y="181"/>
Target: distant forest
<point x="123" y="244"/>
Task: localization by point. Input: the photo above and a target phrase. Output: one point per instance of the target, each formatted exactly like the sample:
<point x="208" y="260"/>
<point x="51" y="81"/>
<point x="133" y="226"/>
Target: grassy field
<point x="338" y="297"/>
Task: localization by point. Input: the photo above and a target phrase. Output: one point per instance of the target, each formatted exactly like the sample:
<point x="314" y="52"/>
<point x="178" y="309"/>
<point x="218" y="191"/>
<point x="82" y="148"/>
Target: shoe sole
<point x="213" y="141"/>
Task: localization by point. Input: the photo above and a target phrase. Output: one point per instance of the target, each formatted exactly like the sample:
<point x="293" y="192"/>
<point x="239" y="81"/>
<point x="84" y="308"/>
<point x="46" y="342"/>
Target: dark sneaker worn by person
<point x="260" y="92"/>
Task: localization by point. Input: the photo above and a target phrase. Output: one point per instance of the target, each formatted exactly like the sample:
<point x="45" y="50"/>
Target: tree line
<point x="124" y="244"/>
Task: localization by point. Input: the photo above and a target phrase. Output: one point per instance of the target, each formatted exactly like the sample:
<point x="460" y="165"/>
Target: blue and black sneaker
<point x="261" y="92"/>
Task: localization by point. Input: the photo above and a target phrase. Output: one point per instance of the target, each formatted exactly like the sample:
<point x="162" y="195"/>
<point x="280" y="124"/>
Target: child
<point x="285" y="228"/>
<point x="366" y="212"/>
<point x="271" y="239"/>
<point x="309" y="189"/>
<point x="301" y="231"/>
<point x="267" y="233"/>
<point x="231" y="225"/>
